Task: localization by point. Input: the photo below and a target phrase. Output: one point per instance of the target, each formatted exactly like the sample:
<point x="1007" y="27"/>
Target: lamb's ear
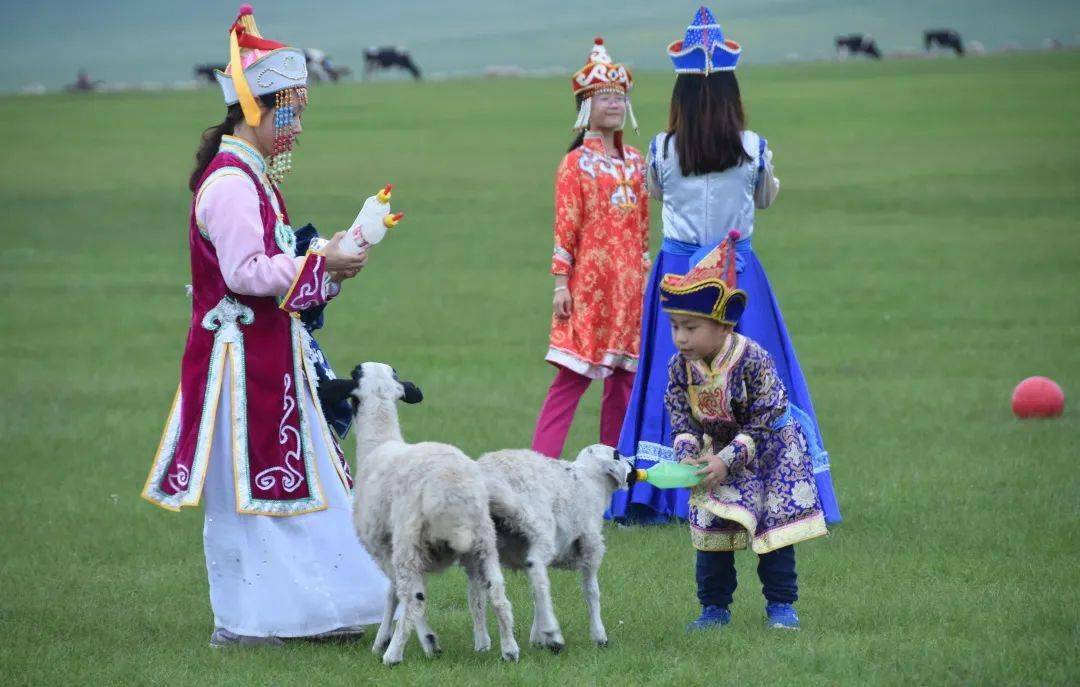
<point x="412" y="393"/>
<point x="334" y="391"/>
<point x="358" y="372"/>
<point x="632" y="473"/>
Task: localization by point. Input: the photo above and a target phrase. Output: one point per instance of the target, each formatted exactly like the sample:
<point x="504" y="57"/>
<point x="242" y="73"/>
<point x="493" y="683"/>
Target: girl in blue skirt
<point x="710" y="173"/>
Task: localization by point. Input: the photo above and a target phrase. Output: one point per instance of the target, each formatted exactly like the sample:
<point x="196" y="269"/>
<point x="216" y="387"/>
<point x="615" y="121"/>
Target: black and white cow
<point x="946" y="38"/>
<point x="379" y="58"/>
<point x="856" y="43"/>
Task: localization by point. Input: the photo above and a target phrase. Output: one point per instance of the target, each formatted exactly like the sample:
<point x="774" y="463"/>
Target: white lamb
<point x="419" y="508"/>
<point x="550" y="513"/>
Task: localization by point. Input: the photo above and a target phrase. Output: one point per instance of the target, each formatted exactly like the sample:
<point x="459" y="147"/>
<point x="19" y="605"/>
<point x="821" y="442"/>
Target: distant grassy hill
<point x="153" y="40"/>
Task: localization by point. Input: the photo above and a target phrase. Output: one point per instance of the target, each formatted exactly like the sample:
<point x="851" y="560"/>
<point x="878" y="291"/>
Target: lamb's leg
<point x="408" y="581"/>
<point x="477" y="603"/>
<point x="539" y="552"/>
<point x="395" y="650"/>
<point x="545" y="628"/>
<point x="488" y="558"/>
<point x="424" y="633"/>
<point x="591" y="586"/>
<point x="382" y="637"/>
<point x="592" y="555"/>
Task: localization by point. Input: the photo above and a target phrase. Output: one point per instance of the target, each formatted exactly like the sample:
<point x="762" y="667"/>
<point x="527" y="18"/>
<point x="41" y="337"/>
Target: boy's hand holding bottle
<point x="714" y="468"/>
<point x="707" y="469"/>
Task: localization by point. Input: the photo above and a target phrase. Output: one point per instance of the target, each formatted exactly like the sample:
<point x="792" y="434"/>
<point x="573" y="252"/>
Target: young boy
<point x="729" y="414"/>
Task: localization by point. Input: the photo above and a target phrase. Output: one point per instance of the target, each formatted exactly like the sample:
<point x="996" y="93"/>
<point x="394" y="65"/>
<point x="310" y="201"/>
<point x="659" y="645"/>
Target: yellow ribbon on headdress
<point x="252" y="113"/>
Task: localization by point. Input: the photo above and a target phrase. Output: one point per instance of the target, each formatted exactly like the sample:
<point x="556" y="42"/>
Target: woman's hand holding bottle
<point x="340" y="262"/>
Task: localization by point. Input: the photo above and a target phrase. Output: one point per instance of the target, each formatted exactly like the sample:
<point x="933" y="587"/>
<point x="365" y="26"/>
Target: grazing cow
<point x="855" y="43"/>
<point x="376" y="59"/>
<point x="946" y="38"/>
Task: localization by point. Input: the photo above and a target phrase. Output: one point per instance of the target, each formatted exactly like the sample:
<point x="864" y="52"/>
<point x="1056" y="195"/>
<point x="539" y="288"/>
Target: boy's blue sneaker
<point x="781" y="617"/>
<point x="711" y="617"/>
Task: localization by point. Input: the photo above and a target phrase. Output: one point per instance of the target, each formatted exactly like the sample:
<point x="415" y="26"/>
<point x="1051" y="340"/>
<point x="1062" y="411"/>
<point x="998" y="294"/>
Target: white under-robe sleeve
<point x="653" y="180"/>
<point x="768" y="186"/>
<point x="227" y="212"/>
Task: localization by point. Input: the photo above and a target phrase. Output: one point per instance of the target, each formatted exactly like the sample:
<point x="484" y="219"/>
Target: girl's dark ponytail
<point x="211" y="140"/>
<point x="576" y="143"/>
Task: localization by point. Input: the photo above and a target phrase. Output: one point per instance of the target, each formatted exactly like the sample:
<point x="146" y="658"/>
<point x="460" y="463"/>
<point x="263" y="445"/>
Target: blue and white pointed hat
<point x="704" y="50"/>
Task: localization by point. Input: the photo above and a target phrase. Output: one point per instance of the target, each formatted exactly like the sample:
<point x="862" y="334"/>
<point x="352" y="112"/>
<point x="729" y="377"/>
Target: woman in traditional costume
<point x="710" y="173"/>
<point x="246" y="433"/>
<point x="730" y="415"/>
<point x="600" y="260"/>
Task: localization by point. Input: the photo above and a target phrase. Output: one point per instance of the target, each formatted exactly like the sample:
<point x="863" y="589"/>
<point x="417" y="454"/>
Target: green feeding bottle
<point x="669" y="475"/>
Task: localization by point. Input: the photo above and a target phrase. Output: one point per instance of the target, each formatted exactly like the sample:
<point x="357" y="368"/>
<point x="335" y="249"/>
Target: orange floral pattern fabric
<point x="602" y="246"/>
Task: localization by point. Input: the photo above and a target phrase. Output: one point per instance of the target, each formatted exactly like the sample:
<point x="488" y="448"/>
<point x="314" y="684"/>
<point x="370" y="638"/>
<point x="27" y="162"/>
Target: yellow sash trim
<point x="801" y="530"/>
<point x="252" y="113"/>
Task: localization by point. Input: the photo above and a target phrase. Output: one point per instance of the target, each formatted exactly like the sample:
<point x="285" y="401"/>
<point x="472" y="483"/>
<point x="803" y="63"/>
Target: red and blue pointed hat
<point x="704" y="49"/>
<point x="709" y="288"/>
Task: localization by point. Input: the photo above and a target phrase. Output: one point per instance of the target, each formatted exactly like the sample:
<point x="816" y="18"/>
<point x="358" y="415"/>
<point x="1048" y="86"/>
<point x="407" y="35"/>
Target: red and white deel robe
<point x="602" y="246"/>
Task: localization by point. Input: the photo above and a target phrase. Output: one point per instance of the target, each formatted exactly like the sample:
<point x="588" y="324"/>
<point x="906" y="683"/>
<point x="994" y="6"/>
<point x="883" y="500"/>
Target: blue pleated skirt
<point x="646" y="431"/>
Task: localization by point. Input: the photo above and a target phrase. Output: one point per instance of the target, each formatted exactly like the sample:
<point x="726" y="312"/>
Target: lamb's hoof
<point x="511" y="656"/>
<point x="554" y="642"/>
<point x="602" y="643"/>
<point x="431" y="645"/>
<point x="481" y="647"/>
<point x="392" y="661"/>
<point x="379" y="648"/>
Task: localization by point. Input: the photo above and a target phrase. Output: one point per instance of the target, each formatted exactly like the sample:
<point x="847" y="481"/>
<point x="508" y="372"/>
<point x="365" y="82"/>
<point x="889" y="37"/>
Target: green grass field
<point x="926" y="253"/>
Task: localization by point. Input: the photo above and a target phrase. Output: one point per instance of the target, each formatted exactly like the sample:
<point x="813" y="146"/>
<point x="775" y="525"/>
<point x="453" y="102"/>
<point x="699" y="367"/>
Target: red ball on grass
<point x="1038" y="397"/>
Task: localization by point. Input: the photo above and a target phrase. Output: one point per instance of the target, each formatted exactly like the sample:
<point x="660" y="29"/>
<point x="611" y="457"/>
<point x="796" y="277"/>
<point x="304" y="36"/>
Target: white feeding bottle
<point x="371" y="223"/>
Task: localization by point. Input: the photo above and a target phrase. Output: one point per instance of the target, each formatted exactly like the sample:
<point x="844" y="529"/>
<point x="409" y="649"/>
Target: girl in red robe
<point x="600" y="260"/>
